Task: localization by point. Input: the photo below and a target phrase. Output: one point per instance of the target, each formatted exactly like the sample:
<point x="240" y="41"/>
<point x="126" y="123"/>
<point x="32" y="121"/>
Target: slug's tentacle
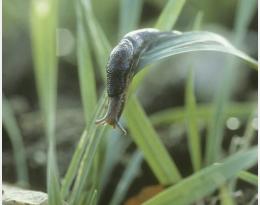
<point x="122" y="66"/>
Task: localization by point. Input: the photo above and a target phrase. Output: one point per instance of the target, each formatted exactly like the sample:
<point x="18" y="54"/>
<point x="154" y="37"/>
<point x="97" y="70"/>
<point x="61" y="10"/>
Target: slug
<point x="121" y="68"/>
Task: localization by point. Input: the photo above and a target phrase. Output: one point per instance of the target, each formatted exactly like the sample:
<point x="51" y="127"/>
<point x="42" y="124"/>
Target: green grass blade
<point x="250" y="131"/>
<point x="204" y="112"/>
<point x="86" y="164"/>
<point x="129" y="175"/>
<point x="206" y="180"/>
<point x="130" y="13"/>
<point x="16" y="139"/>
<point x="193" y="131"/>
<point x="169" y="15"/>
<point x="113" y="154"/>
<point x="248" y="177"/>
<point x="85" y="67"/>
<point x="131" y="171"/>
<point x="100" y="43"/>
<point x="43" y="30"/>
<point x="165" y="22"/>
<point x="191" y="42"/>
<point x="198" y="21"/>
<point x="80" y="149"/>
<point x="149" y="142"/>
<point x="226" y="197"/>
<point x="214" y="139"/>
<point x="93" y="198"/>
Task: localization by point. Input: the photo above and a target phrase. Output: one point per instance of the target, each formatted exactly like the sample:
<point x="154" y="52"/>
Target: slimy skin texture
<point x="121" y="67"/>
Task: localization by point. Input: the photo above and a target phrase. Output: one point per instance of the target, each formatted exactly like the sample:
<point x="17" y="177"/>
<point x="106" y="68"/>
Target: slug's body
<point x="122" y="66"/>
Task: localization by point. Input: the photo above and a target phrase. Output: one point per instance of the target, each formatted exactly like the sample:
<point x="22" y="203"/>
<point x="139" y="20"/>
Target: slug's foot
<point x="113" y="123"/>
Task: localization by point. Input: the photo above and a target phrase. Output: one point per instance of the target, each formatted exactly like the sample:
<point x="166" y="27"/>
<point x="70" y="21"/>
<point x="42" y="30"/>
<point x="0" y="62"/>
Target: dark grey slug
<point x="122" y="66"/>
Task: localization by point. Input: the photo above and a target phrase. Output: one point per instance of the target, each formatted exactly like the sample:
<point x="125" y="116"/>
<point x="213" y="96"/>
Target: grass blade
<point x="101" y="46"/>
<point x="43" y="30"/>
<point x="149" y="142"/>
<point x="86" y="164"/>
<point x="129" y="175"/>
<point x="85" y="67"/>
<point x="226" y="196"/>
<point x="204" y="112"/>
<point x="191" y="42"/>
<point x="193" y="131"/>
<point x="214" y="139"/>
<point x="249" y="132"/>
<point x="130" y="13"/>
<point x="198" y="21"/>
<point x="80" y="149"/>
<point x="205" y="181"/>
<point x="248" y="177"/>
<point x="169" y="15"/>
<point x="15" y="136"/>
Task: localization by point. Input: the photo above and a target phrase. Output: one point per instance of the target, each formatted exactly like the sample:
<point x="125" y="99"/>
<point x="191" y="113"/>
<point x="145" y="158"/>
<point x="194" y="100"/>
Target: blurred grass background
<point x="82" y="50"/>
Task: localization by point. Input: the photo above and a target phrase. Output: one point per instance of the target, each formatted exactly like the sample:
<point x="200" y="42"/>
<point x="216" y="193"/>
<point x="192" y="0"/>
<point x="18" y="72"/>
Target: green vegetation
<point x="214" y="172"/>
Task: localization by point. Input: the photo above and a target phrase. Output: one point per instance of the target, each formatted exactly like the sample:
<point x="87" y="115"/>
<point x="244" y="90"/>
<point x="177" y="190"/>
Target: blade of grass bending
<point x="191" y="42"/>
<point x="149" y="142"/>
<point x="43" y="29"/>
<point x="130" y="13"/>
<point x="193" y="131"/>
<point x="129" y="175"/>
<point x="85" y="67"/>
<point x="214" y="139"/>
<point x="248" y="177"/>
<point x="169" y="15"/>
<point x="165" y="22"/>
<point x="80" y="149"/>
<point x="16" y="139"/>
<point x="206" y="180"/>
<point x="204" y="112"/>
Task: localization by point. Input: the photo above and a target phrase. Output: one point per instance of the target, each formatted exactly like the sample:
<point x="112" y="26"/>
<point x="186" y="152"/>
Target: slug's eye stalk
<point x="114" y="111"/>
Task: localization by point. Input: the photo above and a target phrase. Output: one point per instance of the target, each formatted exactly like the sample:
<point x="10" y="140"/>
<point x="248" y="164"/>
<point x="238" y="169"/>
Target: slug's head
<point x="114" y="111"/>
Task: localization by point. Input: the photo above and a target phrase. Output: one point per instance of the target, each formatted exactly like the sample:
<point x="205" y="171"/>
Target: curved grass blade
<point x="16" y="139"/>
<point x="169" y="15"/>
<point x="205" y="181"/>
<point x="130" y="13"/>
<point x="191" y="42"/>
<point x="193" y="131"/>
